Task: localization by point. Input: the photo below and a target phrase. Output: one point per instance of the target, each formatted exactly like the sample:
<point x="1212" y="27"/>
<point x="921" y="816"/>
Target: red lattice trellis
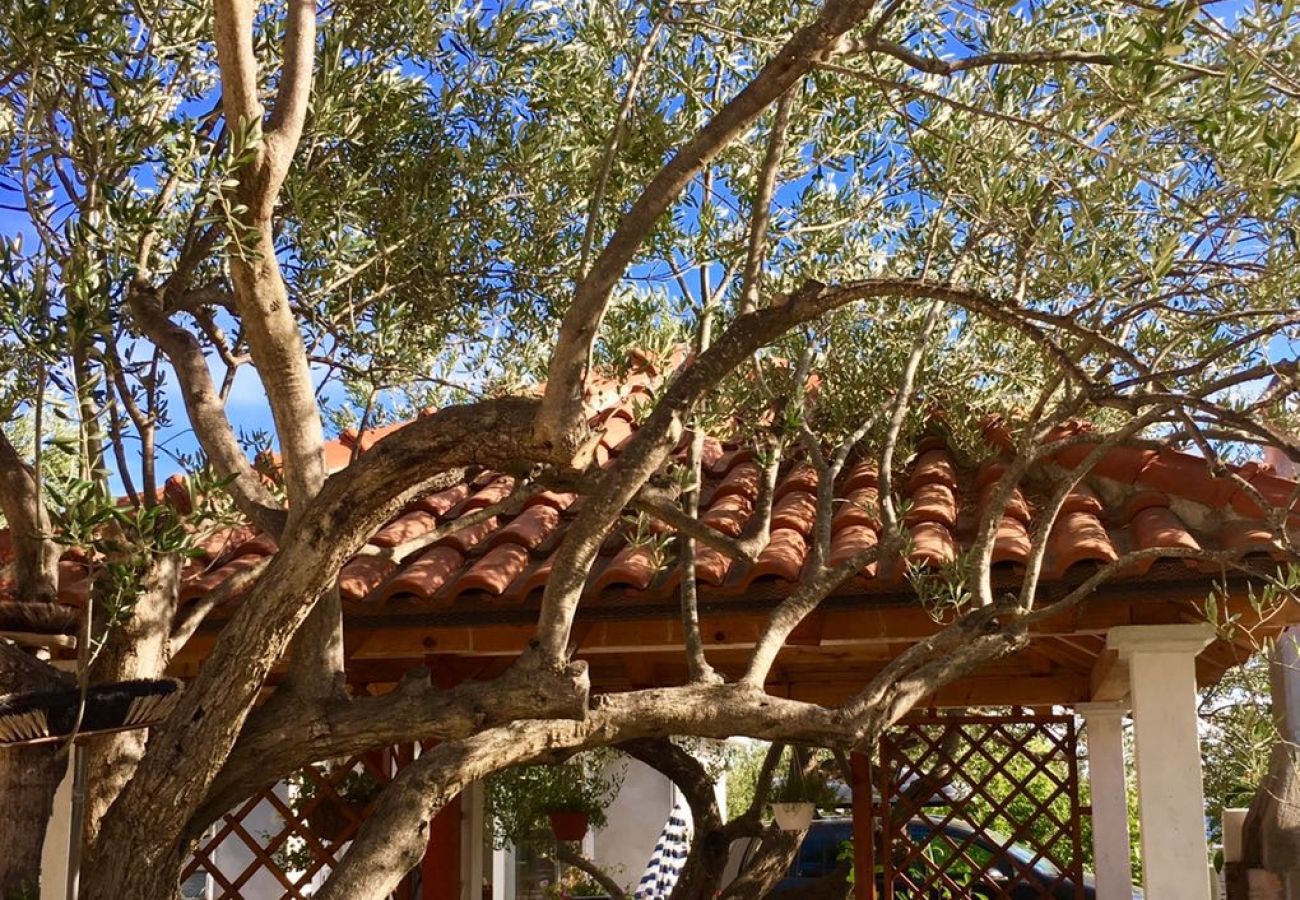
<point x="981" y="807"/>
<point x="290" y="835"/>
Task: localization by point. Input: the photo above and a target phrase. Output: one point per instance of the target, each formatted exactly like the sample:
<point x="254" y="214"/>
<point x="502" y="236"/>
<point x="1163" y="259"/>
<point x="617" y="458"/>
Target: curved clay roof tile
<point x="362" y="574"/>
<point x="743" y="479"/>
<point x="801" y="479"/>
<point x="851" y="540"/>
<point x="492" y="574"/>
<point x="932" y="466"/>
<point x="796" y="510"/>
<point x="864" y="474"/>
<point x="729" y="514"/>
<point x="498" y="490"/>
<point x="528" y="529"/>
<point x="1078" y="536"/>
<point x="783" y="558"/>
<point x="862" y="507"/>
<point x="932" y="544"/>
<point x="1011" y="544"/>
<point x="405" y="527"/>
<point x="423" y="577"/>
<point x="932" y="502"/>
<point x="634" y="566"/>
<point x="467" y="538"/>
<point x="1017" y="506"/>
<point x="439" y="503"/>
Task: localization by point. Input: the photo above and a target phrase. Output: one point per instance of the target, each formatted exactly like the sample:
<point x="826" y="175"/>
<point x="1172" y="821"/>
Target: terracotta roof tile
<point x="635" y="566"/>
<point x="404" y="528"/>
<point x="1077" y="536"/>
<point x="528" y="529"/>
<point x="802" y="479"/>
<point x="467" y="538"/>
<point x="742" y="479"/>
<point x="932" y="467"/>
<point x="711" y="566"/>
<point x="932" y="544"/>
<point x="795" y="510"/>
<point x="933" y="502"/>
<point x="782" y="557"/>
<point x="1136" y="497"/>
<point x="493" y="573"/>
<point x="362" y="574"/>
<point x="440" y="502"/>
<point x="861" y="507"/>
<point x="496" y="491"/>
<point x="1011" y="544"/>
<point x="423" y="577"/>
<point x="199" y="584"/>
<point x="729" y="514"/>
<point x="864" y="474"/>
<point x="850" y="540"/>
<point x="1017" y="506"/>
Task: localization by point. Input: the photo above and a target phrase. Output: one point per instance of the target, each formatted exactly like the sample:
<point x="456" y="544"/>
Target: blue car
<point x="1007" y="871"/>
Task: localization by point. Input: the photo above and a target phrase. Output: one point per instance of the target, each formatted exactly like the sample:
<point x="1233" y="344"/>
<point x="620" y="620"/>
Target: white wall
<point x="635" y="819"/>
<point x="639" y="812"/>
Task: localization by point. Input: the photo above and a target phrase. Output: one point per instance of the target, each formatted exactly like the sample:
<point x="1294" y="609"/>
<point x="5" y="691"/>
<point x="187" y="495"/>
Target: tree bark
<point x="29" y="777"/>
<point x="138" y="648"/>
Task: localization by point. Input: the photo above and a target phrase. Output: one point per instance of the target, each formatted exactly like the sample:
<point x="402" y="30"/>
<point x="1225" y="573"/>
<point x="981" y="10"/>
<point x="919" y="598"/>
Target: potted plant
<point x="564" y="799"/>
<point x="796" y="798"/>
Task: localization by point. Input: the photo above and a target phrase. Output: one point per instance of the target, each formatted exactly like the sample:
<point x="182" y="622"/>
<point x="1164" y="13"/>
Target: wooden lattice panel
<point x="982" y="807"/>
<point x="289" y="836"/>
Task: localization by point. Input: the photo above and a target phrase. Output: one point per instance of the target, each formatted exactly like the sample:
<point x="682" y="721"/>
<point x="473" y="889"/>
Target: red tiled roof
<point x="1135" y="498"/>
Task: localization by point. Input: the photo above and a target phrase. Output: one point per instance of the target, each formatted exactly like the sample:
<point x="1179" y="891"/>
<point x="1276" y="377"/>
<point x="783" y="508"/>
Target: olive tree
<point x="1022" y="216"/>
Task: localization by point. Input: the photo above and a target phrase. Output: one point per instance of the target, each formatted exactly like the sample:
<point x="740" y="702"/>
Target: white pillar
<point x="1171" y="798"/>
<point x="471" y="841"/>
<point x="1110" y="838"/>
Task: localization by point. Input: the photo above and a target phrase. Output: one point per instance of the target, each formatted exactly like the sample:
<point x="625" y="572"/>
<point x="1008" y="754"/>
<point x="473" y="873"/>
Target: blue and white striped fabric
<point x="666" y="862"/>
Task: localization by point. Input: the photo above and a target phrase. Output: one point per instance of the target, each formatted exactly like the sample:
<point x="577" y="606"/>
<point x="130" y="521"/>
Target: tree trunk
<point x="29" y="777"/>
<point x="136" y="649"/>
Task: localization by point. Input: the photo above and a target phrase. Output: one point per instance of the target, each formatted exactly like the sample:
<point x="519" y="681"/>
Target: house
<point x="462" y="603"/>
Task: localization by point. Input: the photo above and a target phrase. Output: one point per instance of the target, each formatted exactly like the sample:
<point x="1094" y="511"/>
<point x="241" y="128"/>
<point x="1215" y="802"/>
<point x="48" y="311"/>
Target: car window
<point x="819" y="854"/>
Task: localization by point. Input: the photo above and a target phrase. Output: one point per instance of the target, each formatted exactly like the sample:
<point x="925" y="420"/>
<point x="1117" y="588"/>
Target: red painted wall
<point x="440" y="870"/>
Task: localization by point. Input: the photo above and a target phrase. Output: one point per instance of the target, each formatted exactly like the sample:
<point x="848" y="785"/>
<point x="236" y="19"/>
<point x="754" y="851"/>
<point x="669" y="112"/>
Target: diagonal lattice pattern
<point x="981" y="806"/>
<point x="285" y="839"/>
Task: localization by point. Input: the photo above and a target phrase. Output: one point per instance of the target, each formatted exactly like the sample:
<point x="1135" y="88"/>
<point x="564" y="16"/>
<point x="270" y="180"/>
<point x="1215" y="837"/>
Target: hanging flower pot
<point x="795" y="816"/>
<point x="568" y="824"/>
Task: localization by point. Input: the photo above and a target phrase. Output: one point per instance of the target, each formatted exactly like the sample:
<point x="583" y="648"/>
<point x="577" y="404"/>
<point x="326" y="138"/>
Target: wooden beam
<point x="1109" y="680"/>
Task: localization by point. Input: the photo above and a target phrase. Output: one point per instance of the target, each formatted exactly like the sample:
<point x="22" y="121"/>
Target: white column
<point x="1171" y="797"/>
<point x="1110" y="838"/>
<point x="471" y="841"/>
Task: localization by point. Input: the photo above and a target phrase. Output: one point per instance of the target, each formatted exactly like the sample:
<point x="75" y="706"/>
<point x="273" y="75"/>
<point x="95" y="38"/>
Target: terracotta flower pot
<point x="793" y="816"/>
<point x="568" y="825"/>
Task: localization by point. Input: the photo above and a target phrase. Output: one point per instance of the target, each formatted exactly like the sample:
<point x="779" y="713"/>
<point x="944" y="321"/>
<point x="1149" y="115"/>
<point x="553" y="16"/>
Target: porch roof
<point x="473" y="593"/>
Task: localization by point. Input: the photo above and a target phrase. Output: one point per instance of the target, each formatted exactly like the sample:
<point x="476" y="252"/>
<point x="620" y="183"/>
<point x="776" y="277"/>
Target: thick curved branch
<point x="173" y="779"/>
<point x="36" y="555"/>
<point x="207" y="414"/>
<point x="415" y="710"/>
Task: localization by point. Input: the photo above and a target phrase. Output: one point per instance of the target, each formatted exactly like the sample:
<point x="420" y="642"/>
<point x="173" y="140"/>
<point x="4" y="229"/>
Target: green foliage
<point x="519" y="799"/>
<point x="814" y="788"/>
<point x="1238" y="735"/>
